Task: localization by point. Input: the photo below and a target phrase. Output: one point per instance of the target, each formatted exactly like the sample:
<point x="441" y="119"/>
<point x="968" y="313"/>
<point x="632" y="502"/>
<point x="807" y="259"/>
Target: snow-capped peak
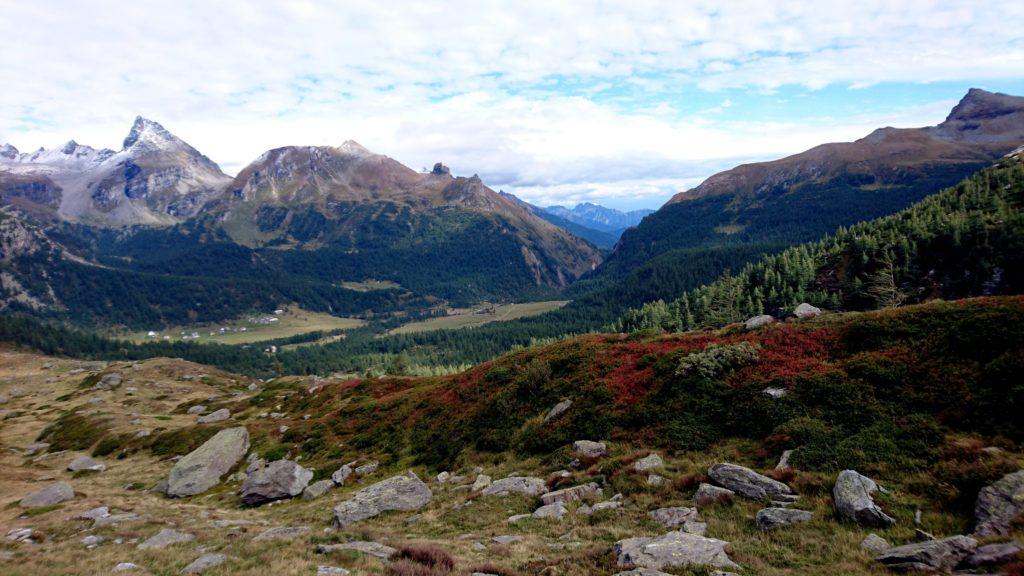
<point x="354" y="148"/>
<point x="8" y="151"/>
<point x="149" y="134"/>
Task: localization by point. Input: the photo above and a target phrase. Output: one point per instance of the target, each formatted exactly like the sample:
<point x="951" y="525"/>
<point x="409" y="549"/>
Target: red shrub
<point x="430" y="556"/>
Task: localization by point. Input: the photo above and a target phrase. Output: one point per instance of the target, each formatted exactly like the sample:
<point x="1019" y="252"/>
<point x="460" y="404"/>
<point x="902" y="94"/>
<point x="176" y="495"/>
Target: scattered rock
<point x="805" y="310"/>
<point x="775" y="392"/>
<point x="852" y="496"/>
<point x="589" y="448"/>
<point x="999" y="504"/>
<point x="558" y="410"/>
<point x="367" y="469"/>
<point x="507" y="539"/>
<point x="642" y="572"/>
<point x="112" y="519"/>
<point x="769" y="518"/>
<point x="202" y="468"/>
<point x="279" y="479"/>
<point x="91" y="541"/>
<point x="331" y="571"/>
<point x="317" y="489"/>
<point x="125" y="567"/>
<point x="109" y="381"/>
<point x="526" y="485"/>
<point x="341" y="474"/>
<point x="405" y="493"/>
<point x="37" y="447"/>
<point x="99" y="512"/>
<point x="518" y="518"/>
<point x="375" y="549"/>
<point x="204" y="562"/>
<point x="648" y="463"/>
<point x="85" y="463"/>
<point x="197" y="409"/>
<point x="283" y="533"/>
<point x="655" y="480"/>
<point x="993" y="555"/>
<point x="218" y="416"/>
<point x="673" y="550"/>
<point x="942" y="555"/>
<point x="165" y="538"/>
<point x="748" y="483"/>
<point x="758" y="321"/>
<point x="482" y="481"/>
<point x="20" y="535"/>
<point x="681" y="518"/>
<point x="572" y="494"/>
<point x="49" y="496"/>
<point x="708" y="494"/>
<point x="875" y="544"/>
<point x="556" y="510"/>
<point x="443" y="477"/>
<point x="784" y="460"/>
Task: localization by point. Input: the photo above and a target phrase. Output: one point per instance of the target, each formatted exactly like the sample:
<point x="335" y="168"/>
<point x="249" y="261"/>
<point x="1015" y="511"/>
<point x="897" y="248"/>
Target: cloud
<point x="584" y="99"/>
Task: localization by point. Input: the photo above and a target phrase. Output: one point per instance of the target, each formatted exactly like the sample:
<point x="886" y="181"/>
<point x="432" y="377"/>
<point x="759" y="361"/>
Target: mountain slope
<point x="156" y="178"/>
<point x="603" y="240"/>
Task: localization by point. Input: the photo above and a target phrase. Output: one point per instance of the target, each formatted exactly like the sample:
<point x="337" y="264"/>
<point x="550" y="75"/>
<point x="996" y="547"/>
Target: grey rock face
<point x="51" y="495"/>
<point x="993" y="555"/>
<point x="557" y="410"/>
<point x="368" y="468"/>
<point x="875" y="544"/>
<point x="999" y="504"/>
<point x="681" y="518"/>
<point x="204" y="563"/>
<point x="165" y="538"/>
<point x="708" y="494"/>
<point x="317" y="489"/>
<point x="648" y="463"/>
<point x="202" y="468"/>
<point x="341" y="474"/>
<point x="404" y="493"/>
<point x="85" y="463"/>
<point x="109" y="381"/>
<point x="218" y="416"/>
<point x="375" y="549"/>
<point x="482" y="481"/>
<point x="589" y="448"/>
<point x="279" y="479"/>
<point x="283" y="533"/>
<point x="555" y="510"/>
<point x="758" y="321"/>
<point x="747" y="483"/>
<point x="572" y="493"/>
<point x="805" y="310"/>
<point x="769" y="518"/>
<point x="525" y="485"/>
<point x="852" y="496"/>
<point x="941" y="555"/>
<point x="673" y="550"/>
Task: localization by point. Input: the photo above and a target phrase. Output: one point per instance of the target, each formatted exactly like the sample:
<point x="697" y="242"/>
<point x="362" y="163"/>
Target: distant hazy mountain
<point x="599" y="217"/>
<point x="156" y="178"/>
<point x="599" y="238"/>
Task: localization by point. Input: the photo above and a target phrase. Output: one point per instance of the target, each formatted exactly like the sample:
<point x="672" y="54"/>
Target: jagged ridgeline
<point x="967" y="240"/>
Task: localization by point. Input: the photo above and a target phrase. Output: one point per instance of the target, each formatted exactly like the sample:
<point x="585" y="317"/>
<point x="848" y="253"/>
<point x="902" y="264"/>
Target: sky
<point x="618" y="103"/>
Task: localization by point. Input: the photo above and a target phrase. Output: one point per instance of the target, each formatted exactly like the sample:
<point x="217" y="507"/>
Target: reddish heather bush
<point x="688" y="481"/>
<point x="410" y="568"/>
<point x="489" y="568"/>
<point x="785" y="475"/>
<point x="438" y="560"/>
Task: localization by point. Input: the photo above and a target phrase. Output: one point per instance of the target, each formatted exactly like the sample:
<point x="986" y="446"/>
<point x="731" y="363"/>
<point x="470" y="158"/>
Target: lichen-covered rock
<point x="482" y="481"/>
<point x="769" y="518"/>
<point x="283" y="533"/>
<point x="217" y="416"/>
<point x="572" y="493"/>
<point x="555" y="510"/>
<point x="589" y="448"/>
<point x="708" y="494"/>
<point x="278" y="480"/>
<point x="941" y="555"/>
<point x="165" y="538"/>
<point x="204" y="563"/>
<point x="852" y="496"/>
<point x="85" y="463"/>
<point x="526" y="485"/>
<point x="673" y="550"/>
<point x="317" y="489"/>
<point x="805" y="310"/>
<point x="341" y="474"/>
<point x="999" y="504"/>
<point x="648" y="463"/>
<point x="875" y="544"/>
<point x="404" y="493"/>
<point x="758" y="321"/>
<point x="50" y="495"/>
<point x="368" y="468"/>
<point x="747" y="483"/>
<point x="202" y="468"/>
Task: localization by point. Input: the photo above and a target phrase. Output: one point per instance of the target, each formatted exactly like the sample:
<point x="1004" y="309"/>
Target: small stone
<point x="317" y="489"/>
<point x="51" y="495"/>
<point x="84" y="463"/>
<point x="99" y="512"/>
<point x="165" y="538"/>
<point x="775" y="392"/>
<point x="708" y="494"/>
<point x="125" y="567"/>
<point x="375" y="549"/>
<point x="805" y="310"/>
<point x="758" y="321"/>
<point x="507" y="539"/>
<point x="572" y="494"/>
<point x="525" y="485"/>
<point x="283" y="533"/>
<point x="20" y="535"/>
<point x="556" y="510"/>
<point x="367" y="469"/>
<point x="482" y="481"/>
<point x="204" y="562"/>
<point x="331" y="571"/>
<point x="589" y="448"/>
<point x="770" y="518"/>
<point x="655" y="480"/>
<point x="648" y="463"/>
<point x="341" y="474"/>
<point x="197" y="409"/>
<point x="558" y="410"/>
<point x="91" y="541"/>
<point x="213" y="417"/>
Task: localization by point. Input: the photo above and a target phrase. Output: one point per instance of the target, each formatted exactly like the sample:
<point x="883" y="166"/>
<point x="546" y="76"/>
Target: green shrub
<point x="718" y="359"/>
<point x="74" y="432"/>
<point x="180" y="441"/>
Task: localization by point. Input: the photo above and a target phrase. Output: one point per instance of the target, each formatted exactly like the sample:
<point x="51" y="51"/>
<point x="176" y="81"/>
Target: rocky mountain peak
<point x="980" y="104"/>
<point x="353" y="148"/>
<point x="441" y="170"/>
<point x="8" y="151"/>
<point x="150" y="134"/>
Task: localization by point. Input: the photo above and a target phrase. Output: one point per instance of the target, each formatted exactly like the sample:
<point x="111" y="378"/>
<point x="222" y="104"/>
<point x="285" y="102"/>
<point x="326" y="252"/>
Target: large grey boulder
<point x="165" y="538"/>
<point x="202" y="468"/>
<point x="278" y="480"/>
<point x="51" y="495"/>
<point x="852" y="497"/>
<point x="204" y="563"/>
<point x="805" y="310"/>
<point x="317" y="489"/>
<point x="85" y="463"/>
<point x="283" y="533"/>
<point x="708" y="494"/>
<point x="758" y="321"/>
<point x="673" y="550"/>
<point x="213" y="417"/>
<point x="938" y="555"/>
<point x="404" y="493"/>
<point x="557" y="410"/>
<point x="999" y="504"/>
<point x="572" y="493"/>
<point x="680" y="518"/>
<point x="770" y="518"/>
<point x="993" y="555"/>
<point x="647" y="463"/>
<point x="748" y="483"/>
<point x="589" y="448"/>
<point x="526" y="485"/>
<point x="375" y="549"/>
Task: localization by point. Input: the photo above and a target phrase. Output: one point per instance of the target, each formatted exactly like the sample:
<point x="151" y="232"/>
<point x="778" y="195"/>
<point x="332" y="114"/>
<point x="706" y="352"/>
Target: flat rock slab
<point x="747" y="483"/>
<point x="278" y="480"/>
<point x="708" y="494"/>
<point x="526" y="485"/>
<point x="941" y="555"/>
<point x="680" y="518"/>
<point x="165" y="538"/>
<point x="85" y="463"/>
<point x="317" y="489"/>
<point x="770" y="518"/>
<point x="648" y="463"/>
<point x="506" y="539"/>
<point x="673" y="550"/>
<point x="572" y="494"/>
<point x="202" y="468"/>
<point x="999" y="504"/>
<point x="217" y="416"/>
<point x="852" y="496"/>
<point x="204" y="563"/>
<point x="283" y="533"/>
<point x="51" y="495"/>
<point x="375" y="549"/>
<point x="555" y="510"/>
<point x="993" y="555"/>
<point x="405" y="493"/>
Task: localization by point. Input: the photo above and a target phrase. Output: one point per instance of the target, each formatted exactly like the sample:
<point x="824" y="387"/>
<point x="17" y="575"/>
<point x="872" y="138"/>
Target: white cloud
<point x="476" y="83"/>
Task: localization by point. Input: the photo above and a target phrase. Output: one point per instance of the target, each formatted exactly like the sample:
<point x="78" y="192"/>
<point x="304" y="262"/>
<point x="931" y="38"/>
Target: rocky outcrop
<point x="589" y="448"/>
<point x="202" y="468"/>
<point x="648" y="463"/>
<point x="680" y="518"/>
<point x="999" y="504"/>
<point x="770" y="518"/>
<point x="278" y="480"/>
<point x="51" y="495"/>
<point x="993" y="555"/>
<point x="673" y="550"/>
<point x="404" y="493"/>
<point x="708" y="494"/>
<point x="941" y="555"/>
<point x="852" y="496"/>
<point x="572" y="494"/>
<point x="525" y="485"/>
<point x="748" y="483"/>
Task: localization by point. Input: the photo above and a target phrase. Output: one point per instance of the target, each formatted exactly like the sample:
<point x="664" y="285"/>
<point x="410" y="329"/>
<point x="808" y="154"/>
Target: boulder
<point x="204" y="563"/>
<point x="648" y="463"/>
<point x="586" y="510"/>
<point x="673" y="550"/>
<point x="993" y="555"/>
<point x="84" y="463"/>
<point x="278" y="480"/>
<point x="769" y="518"/>
<point x="572" y="494"/>
<point x="94" y="513"/>
<point x="938" y="555"/>
<point x="341" y="474"/>
<point x="51" y="495"/>
<point x="999" y="504"/>
<point x="805" y="310"/>
<point x="165" y="538"/>
<point x="218" y="416"/>
<point x="125" y="567"/>
<point x="852" y="497"/>
<point x="375" y="549"/>
<point x="482" y="481"/>
<point x="202" y="468"/>
<point x="507" y="539"/>
<point x="91" y="541"/>
<point x="317" y="489"/>
<point x="526" y="485"/>
<point x="331" y="571"/>
<point x="680" y="518"/>
<point x="368" y="468"/>
<point x="283" y="533"/>
<point x="708" y="494"/>
<point x="875" y="544"/>
<point x="555" y="510"/>
<point x="404" y="493"/>
<point x="642" y="572"/>
<point x="557" y="410"/>
<point x="109" y="381"/>
<point x="758" y="321"/>
<point x="747" y="483"/>
<point x="589" y="448"/>
<point x="197" y="409"/>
